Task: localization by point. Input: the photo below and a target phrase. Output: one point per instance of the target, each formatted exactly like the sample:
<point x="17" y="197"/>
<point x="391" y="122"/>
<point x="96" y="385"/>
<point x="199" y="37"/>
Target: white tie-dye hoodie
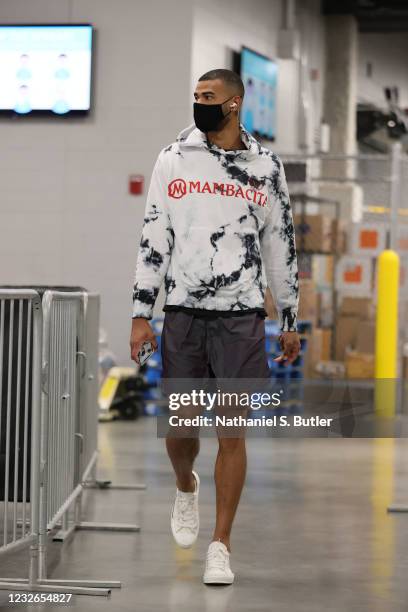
<point x="217" y="230"/>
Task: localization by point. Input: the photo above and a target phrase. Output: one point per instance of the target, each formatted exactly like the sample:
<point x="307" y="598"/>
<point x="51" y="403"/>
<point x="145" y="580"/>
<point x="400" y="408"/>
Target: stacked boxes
<point x="319" y="345"/>
<point x="319" y="234"/>
<point x="355" y="336"/>
<point x="313" y="233"/>
<point x="346" y="335"/>
<point x="354" y="341"/>
<point x="359" y="365"/>
<point x="365" y="342"/>
<point x="308" y="301"/>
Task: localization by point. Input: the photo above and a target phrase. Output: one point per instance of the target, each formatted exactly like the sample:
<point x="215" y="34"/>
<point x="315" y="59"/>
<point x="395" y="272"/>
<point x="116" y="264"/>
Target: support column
<point x="340" y="108"/>
<point x="340" y="97"/>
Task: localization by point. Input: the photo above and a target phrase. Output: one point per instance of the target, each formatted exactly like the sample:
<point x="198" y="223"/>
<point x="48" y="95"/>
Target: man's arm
<point x="278" y="247"/>
<point x="153" y="259"/>
<point x="155" y="247"/>
<point x="279" y="258"/>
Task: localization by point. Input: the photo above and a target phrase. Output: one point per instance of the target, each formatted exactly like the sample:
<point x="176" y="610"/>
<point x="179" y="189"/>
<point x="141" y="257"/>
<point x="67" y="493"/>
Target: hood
<point x="191" y="137"/>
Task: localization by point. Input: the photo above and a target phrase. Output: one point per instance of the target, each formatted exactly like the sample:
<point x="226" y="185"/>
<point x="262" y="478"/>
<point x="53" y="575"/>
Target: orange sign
<point x="353" y="274"/>
<point x="368" y="239"/>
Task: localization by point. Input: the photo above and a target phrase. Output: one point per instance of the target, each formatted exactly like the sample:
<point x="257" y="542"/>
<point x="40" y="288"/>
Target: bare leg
<point x="182" y="453"/>
<point x="229" y="474"/>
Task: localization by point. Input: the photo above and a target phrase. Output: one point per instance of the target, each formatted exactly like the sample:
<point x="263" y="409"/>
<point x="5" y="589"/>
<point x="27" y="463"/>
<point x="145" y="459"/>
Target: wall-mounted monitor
<point x="45" y="69"/>
<point x="259" y="75"/>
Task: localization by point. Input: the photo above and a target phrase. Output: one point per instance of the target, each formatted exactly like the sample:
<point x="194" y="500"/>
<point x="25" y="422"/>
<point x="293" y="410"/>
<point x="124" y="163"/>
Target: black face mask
<point x="207" y="117"/>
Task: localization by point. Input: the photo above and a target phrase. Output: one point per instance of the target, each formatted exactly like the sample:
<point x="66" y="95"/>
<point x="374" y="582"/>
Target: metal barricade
<point x="61" y="331"/>
<point x="20" y="421"/>
<point x="86" y="439"/>
<point x="61" y="317"/>
<point x="88" y="391"/>
<point x="63" y="360"/>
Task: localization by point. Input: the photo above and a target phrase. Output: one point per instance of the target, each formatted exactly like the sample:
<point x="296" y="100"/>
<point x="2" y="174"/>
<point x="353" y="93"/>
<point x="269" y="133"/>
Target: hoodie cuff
<point x="140" y="315"/>
<point x="139" y="312"/>
<point x="288" y="319"/>
<point x="143" y="302"/>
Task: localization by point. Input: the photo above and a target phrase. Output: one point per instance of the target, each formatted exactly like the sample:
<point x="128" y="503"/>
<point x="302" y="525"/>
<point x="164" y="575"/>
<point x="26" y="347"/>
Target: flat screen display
<point x="45" y="68"/>
<point x="259" y="75"/>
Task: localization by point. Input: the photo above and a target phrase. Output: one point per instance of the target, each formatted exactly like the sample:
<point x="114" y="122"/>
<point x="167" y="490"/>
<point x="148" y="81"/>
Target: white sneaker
<point x="217" y="566"/>
<point x="185" y="520"/>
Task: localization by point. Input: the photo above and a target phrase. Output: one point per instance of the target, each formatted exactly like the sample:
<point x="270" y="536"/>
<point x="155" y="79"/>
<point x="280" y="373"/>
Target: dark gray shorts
<point x="221" y="347"/>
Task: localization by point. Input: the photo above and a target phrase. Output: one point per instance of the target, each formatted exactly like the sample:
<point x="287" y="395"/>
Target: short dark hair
<point x="231" y="78"/>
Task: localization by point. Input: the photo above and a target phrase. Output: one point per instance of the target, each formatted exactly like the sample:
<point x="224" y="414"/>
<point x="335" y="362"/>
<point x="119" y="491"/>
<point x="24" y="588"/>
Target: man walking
<point x="217" y="231"/>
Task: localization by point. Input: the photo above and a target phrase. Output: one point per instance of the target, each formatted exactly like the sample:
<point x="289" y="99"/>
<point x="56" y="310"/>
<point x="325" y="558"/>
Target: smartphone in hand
<point x="145" y="352"/>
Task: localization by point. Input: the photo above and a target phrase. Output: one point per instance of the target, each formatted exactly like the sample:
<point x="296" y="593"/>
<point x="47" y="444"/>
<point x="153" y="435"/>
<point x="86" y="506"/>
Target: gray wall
<point x="66" y="216"/>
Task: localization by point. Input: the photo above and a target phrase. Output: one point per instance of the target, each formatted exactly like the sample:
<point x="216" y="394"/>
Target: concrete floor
<point x="311" y="534"/>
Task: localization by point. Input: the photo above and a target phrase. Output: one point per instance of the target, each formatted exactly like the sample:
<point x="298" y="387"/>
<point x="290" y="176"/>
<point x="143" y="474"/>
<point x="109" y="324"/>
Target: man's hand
<point x="141" y="333"/>
<point x="290" y="345"/>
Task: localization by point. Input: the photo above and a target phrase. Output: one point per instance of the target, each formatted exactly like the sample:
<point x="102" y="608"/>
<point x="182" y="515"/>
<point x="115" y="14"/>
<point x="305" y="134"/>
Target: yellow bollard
<point x="386" y="337"/>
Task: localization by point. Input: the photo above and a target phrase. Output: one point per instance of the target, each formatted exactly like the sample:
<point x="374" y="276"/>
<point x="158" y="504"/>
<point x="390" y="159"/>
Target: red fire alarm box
<point x="136" y="184"/>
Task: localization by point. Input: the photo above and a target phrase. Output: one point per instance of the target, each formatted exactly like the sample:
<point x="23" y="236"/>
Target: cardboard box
<point x="318" y="349"/>
<point x="359" y="365"/>
<point x="313" y="233"/>
<point x="325" y="308"/>
<point x="405" y="368"/>
<point x="405" y="361"/>
<point x="326" y="344"/>
<point x="365" y="342"/>
<point x="339" y="236"/>
<point x="362" y="307"/>
<point x="330" y="369"/>
<point x="308" y="301"/>
<point x="346" y="335"/>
